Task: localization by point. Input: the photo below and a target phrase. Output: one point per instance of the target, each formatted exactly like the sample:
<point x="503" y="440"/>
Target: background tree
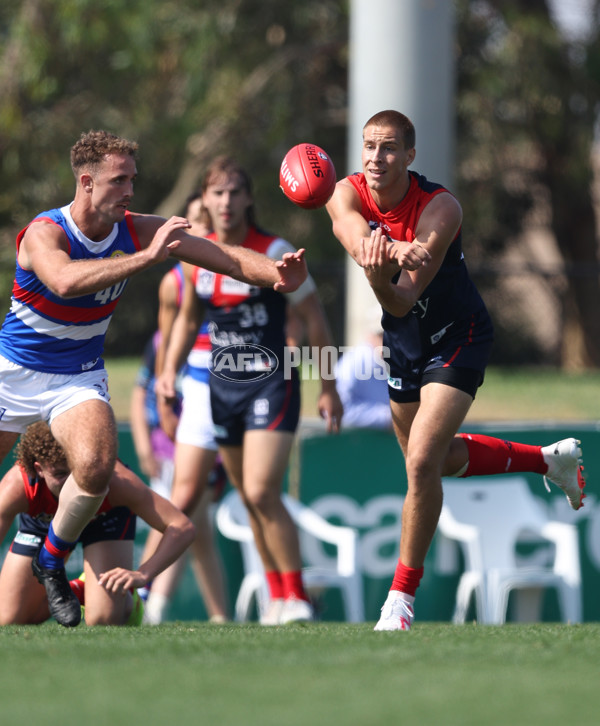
<point x="189" y="80"/>
<point x="528" y="108"/>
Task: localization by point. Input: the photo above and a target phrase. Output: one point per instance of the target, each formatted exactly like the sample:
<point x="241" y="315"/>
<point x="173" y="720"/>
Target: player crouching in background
<point x="30" y="490"/>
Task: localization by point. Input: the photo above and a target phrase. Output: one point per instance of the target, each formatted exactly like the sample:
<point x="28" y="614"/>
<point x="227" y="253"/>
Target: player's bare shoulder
<point x="443" y="210"/>
<point x="12" y="491"/>
<point x="447" y="204"/>
<point x="343" y="199"/>
<point x="346" y="188"/>
<point x="40" y="237"/>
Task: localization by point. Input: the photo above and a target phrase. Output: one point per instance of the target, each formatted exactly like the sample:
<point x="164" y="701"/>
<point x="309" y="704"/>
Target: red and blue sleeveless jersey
<point x="177" y="273"/>
<point x="198" y="360"/>
<point x="45" y="332"/>
<point x="239" y="314"/>
<point x="450" y="300"/>
<point x="42" y="503"/>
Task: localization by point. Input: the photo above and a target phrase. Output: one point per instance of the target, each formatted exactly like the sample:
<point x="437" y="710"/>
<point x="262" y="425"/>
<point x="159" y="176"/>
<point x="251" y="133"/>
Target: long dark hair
<point x="226" y="166"/>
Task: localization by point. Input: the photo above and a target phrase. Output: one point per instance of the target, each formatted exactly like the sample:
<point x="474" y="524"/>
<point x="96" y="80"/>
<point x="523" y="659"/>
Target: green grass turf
<point x="317" y="674"/>
<point x="320" y="674"/>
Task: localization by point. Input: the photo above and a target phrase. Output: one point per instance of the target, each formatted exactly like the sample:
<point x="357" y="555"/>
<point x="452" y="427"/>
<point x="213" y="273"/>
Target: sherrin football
<point x="307" y="176"/>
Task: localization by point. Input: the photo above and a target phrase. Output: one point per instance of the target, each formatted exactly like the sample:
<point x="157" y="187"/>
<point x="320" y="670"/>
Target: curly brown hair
<point x="38" y="444"/>
<point x="93" y="146"/>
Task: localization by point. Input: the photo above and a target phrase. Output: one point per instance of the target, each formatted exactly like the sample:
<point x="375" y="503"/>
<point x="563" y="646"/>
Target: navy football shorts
<point x="459" y="362"/>
<point x="117" y="523"/>
<point x="272" y="404"/>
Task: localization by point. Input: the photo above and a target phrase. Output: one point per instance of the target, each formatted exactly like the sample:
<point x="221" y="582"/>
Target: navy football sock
<point x="52" y="554"/>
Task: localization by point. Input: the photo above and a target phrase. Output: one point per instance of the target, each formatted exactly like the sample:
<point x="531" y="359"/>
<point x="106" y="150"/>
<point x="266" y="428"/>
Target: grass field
<point x="507" y="394"/>
<point x="321" y="674"/>
<point x="317" y="674"/>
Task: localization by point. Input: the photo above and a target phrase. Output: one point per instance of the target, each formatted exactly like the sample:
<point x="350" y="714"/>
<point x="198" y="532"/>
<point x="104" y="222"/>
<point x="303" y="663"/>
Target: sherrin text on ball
<point x="307" y="176"/>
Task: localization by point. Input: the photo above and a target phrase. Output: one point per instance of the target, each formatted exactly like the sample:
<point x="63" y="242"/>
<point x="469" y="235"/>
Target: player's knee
<point x="93" y="474"/>
<point x="421" y="468"/>
<point x="186" y="500"/>
<point x="7" y="618"/>
<point x="112" y="616"/>
<point x="266" y="501"/>
<point x="11" y="616"/>
<point x="98" y="620"/>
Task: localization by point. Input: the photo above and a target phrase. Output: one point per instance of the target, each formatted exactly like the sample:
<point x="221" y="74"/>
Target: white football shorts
<point x="195" y="423"/>
<point x="163" y="483"/>
<point x="27" y="396"/>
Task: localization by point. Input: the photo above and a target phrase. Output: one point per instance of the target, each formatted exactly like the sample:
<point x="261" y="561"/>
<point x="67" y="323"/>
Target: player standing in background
<point x="361" y="376"/>
<point x="405" y="232"/>
<point x="187" y="443"/>
<point x="255" y="409"/>
<point x="72" y="266"/>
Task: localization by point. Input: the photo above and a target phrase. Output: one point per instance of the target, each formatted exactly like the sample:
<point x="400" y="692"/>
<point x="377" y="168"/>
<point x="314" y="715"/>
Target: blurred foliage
<point x="252" y="78"/>
<point x="187" y="80"/>
<point x="527" y="110"/>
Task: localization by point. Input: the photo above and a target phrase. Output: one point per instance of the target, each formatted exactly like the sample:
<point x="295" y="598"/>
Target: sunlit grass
<point x="322" y="674"/>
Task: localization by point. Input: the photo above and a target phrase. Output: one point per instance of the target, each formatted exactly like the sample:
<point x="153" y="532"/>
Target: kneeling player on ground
<point x="30" y="490"/>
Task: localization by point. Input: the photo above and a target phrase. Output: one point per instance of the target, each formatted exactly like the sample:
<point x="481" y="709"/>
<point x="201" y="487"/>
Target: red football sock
<point x="275" y="584"/>
<point x="488" y="455"/>
<point x="406" y="579"/>
<point x="293" y="586"/>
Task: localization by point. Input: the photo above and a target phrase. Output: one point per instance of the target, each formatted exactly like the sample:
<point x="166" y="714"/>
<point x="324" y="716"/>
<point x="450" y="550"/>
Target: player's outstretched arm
<point x="284" y="275"/>
<point x="45" y="251"/>
<point x="292" y="271"/>
<point x="348" y="224"/>
<point x="178" y="532"/>
<point x="243" y="264"/>
<point x="237" y="262"/>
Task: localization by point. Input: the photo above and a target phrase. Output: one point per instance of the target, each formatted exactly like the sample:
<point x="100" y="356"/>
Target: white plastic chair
<point x="232" y="522"/>
<point x="488" y="518"/>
